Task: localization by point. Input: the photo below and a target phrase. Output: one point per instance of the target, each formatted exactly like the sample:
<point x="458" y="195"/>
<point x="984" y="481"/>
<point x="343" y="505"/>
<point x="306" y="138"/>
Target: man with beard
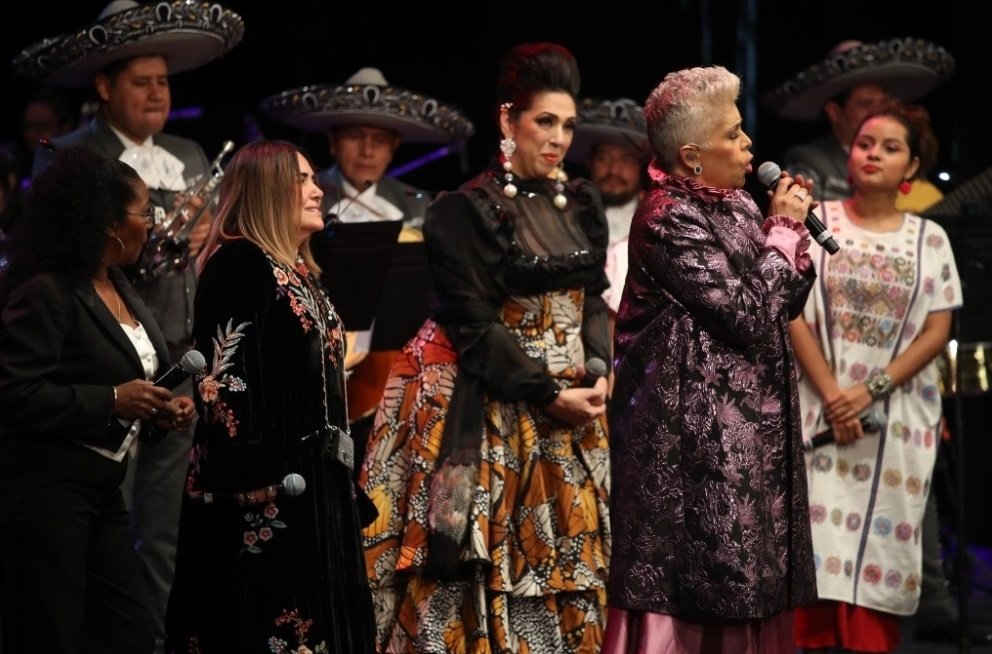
<point x="611" y="140"/>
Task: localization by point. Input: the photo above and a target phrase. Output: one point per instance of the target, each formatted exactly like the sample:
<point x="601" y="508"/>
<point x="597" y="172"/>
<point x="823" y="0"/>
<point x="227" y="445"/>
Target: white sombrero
<point x="367" y="100"/>
<point x="617" y="122"/>
<point x="188" y="33"/>
<point x="908" y="68"/>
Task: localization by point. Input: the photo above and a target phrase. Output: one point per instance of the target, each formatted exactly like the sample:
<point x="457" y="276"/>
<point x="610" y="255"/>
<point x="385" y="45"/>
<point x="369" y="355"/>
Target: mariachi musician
<point x="365" y="121"/>
<point x="129" y="65"/>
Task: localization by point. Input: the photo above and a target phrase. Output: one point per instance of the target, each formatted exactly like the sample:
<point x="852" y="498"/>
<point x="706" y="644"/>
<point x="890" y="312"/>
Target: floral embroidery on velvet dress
<point x="287" y="576"/>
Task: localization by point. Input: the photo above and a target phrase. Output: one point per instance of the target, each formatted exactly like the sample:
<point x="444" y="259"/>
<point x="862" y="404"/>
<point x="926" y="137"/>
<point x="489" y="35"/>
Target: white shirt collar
<point x="159" y="168"/>
<point x="363" y="206"/>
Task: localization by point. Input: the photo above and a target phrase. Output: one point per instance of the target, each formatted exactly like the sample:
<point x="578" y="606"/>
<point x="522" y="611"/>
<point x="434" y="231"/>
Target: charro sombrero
<point x="908" y="68"/>
<point x="188" y="33"/>
<point x="618" y="122"/>
<point x="366" y="99"/>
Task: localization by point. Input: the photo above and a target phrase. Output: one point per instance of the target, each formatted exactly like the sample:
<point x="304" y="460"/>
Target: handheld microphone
<point x="595" y="368"/>
<point x="871" y="423"/>
<point x="332" y="217"/>
<point x="768" y="174"/>
<point x="191" y="364"/>
<point x="292" y="485"/>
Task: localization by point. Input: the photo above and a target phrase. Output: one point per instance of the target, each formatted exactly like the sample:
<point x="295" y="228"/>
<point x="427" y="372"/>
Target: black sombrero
<point x="908" y="68"/>
<point x="188" y="33"/>
<point x="366" y="99"/>
<point x="617" y="122"/>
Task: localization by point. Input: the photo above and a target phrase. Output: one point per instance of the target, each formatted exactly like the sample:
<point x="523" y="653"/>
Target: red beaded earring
<point x="905" y="187"/>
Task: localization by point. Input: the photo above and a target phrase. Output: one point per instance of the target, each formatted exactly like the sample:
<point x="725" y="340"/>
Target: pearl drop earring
<point x="508" y="146"/>
<point x="561" y="177"/>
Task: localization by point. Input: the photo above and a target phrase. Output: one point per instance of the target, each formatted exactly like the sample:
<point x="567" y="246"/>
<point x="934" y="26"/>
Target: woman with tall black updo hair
<point x="488" y="459"/>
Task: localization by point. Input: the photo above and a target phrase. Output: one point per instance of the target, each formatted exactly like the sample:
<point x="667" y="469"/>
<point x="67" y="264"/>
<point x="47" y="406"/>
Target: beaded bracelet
<point x="880" y="385"/>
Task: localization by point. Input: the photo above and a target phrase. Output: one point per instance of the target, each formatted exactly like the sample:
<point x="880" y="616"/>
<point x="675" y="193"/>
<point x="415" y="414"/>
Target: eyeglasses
<point x="153" y="215"/>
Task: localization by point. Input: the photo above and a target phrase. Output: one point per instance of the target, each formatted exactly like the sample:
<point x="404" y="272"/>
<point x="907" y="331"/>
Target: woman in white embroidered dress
<point x="878" y="315"/>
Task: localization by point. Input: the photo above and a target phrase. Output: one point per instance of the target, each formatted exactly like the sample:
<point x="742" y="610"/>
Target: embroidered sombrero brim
<point x="187" y="33"/>
<point x="907" y="68"/>
<point x="615" y="122"/>
<point x="417" y="118"/>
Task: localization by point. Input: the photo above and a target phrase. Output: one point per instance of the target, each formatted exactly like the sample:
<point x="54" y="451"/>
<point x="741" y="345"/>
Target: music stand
<point x="406" y="298"/>
<point x="355" y="259"/>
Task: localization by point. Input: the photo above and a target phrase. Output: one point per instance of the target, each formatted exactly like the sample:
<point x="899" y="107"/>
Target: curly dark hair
<point x="531" y="68"/>
<point x="71" y="207"/>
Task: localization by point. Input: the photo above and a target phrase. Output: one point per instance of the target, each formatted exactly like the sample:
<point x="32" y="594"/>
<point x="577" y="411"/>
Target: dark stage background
<point x="454" y="54"/>
<point x="623" y="51"/>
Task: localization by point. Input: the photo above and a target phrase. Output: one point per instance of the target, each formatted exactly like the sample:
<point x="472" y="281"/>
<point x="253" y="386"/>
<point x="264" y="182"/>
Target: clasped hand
<point x="139" y="399"/>
<point x="844" y="410"/>
<point x="577" y="406"/>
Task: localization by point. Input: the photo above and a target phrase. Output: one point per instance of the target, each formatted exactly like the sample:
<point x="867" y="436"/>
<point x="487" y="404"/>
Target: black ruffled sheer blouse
<point x="485" y="247"/>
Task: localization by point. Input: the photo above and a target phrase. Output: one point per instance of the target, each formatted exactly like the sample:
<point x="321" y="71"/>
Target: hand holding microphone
<point x="292" y="485"/>
<point x="192" y="363"/>
<point x="770" y="174"/>
<point x="140" y="399"/>
<point x="595" y="370"/>
<point x="582" y="402"/>
<point x="871" y="423"/>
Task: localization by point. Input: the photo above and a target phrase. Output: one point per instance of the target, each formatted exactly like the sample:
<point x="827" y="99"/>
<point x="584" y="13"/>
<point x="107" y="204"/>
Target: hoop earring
<point x="560" y="178"/>
<point x="119" y="242"/>
<point x="508" y="146"/>
<point x="697" y="170"/>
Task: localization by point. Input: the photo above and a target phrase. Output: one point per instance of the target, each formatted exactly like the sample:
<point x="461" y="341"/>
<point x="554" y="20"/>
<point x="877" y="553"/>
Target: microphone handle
<point x="588" y="381"/>
<point x="870" y="423"/>
<point x="821" y="234"/>
<point x="819" y="440"/>
<point x="172" y="378"/>
<point x="223" y="497"/>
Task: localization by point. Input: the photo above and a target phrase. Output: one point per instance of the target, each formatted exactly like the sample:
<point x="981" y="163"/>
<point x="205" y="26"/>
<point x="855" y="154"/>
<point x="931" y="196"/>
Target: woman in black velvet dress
<point x="488" y="461"/>
<point x="262" y="568"/>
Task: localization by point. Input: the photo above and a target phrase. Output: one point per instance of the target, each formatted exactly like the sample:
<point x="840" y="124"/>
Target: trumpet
<point x="168" y="244"/>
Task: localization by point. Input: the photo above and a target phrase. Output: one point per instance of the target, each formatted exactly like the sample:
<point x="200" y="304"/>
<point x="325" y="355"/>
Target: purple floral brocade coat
<point x="709" y="503"/>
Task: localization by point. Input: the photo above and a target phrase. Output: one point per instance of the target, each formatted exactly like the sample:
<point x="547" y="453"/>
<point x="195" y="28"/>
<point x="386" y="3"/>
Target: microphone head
<point x="875" y="420"/>
<point x="294" y="484"/>
<point x="596" y="367"/>
<point x="193" y="362"/>
<point x="769" y="173"/>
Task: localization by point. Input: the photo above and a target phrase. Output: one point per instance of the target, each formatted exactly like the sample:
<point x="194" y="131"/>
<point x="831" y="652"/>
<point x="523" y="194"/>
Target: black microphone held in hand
<point x="768" y="174"/>
<point x="191" y="364"/>
<point x="871" y="423"/>
<point x="595" y="368"/>
<point x="292" y="485"/>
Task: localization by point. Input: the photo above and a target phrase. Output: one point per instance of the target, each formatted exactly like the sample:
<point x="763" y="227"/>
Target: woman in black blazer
<point x="77" y="347"/>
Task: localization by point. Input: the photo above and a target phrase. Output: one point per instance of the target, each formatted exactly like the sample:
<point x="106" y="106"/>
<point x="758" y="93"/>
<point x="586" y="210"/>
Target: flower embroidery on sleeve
<point x="212" y="383"/>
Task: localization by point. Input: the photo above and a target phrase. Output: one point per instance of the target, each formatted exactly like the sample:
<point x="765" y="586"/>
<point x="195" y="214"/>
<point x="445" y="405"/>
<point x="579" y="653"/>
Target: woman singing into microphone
<point x="711" y="544"/>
